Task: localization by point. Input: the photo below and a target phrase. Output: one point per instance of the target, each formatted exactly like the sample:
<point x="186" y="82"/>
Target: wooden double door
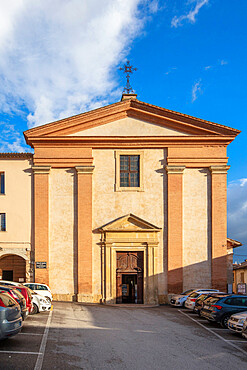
<point x="129" y="277"/>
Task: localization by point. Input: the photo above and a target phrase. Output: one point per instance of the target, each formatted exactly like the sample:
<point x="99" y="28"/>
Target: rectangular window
<point x="129" y="171"/>
<point x="242" y="277"/>
<point x="3" y="221"/>
<point x="2" y="177"/>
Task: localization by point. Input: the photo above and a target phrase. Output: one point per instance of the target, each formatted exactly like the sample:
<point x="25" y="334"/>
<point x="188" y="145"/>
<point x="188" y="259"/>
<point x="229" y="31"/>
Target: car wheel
<point x="224" y="321"/>
<point x="35" y="309"/>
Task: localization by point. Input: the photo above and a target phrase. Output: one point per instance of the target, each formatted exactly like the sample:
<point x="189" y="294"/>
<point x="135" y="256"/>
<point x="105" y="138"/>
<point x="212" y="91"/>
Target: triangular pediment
<point x="129" y="126"/>
<point x="127" y="223"/>
<point x="128" y="118"/>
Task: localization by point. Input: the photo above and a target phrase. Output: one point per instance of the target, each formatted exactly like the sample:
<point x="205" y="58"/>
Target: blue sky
<point x="61" y="57"/>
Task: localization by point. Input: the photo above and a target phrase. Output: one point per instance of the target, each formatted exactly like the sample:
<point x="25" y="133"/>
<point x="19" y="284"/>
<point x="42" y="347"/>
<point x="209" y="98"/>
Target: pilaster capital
<point x="41" y="169"/>
<point x="175" y="169"/>
<point x="219" y="169"/>
<point x="84" y="169"/>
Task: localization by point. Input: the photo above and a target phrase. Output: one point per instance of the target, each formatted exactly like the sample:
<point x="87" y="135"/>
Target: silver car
<point x="244" y="330"/>
<point x="236" y="321"/>
<point x="179" y="299"/>
<point x="10" y="316"/>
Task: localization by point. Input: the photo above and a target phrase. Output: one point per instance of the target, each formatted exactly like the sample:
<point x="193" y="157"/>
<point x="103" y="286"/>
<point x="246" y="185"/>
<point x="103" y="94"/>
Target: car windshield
<point x="212" y="300"/>
<point x="194" y="295"/>
<point x="6" y="300"/>
<point x="202" y="297"/>
<point x="187" y="292"/>
<point x="20" y="296"/>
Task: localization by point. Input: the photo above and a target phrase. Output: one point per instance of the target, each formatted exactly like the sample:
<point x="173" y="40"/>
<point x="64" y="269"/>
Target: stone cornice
<point x="84" y="169"/>
<point x="219" y="169"/>
<point x="175" y="169"/>
<point x="41" y="169"/>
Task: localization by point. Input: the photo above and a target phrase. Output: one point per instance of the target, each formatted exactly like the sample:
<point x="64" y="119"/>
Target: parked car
<point x="219" y="308"/>
<point x="18" y="297"/>
<point x="244" y="330"/>
<point x="23" y="290"/>
<point x="191" y="300"/>
<point x="10" y="316"/>
<point x="179" y="299"/>
<point x="236" y="321"/>
<point x="41" y="289"/>
<point x="200" y="300"/>
<point x="40" y="303"/>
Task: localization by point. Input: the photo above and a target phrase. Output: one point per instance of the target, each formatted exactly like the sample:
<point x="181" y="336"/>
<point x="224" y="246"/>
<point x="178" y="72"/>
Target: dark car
<point x="199" y="302"/>
<point x="10" y="316"/>
<point x="219" y="308"/>
<point x="11" y="290"/>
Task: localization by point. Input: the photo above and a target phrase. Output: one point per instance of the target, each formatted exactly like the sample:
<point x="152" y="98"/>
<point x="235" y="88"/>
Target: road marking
<point x="30" y="334"/>
<point x="39" y="362"/>
<point x="217" y="335"/>
<point x="20" y="352"/>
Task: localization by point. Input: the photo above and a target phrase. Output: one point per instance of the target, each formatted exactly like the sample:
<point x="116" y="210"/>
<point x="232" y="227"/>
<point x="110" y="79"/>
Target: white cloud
<point x="191" y="15"/>
<point x="223" y="62"/>
<point x="196" y="90"/>
<point x="11" y="139"/>
<point x="207" y="68"/>
<point x="237" y="211"/>
<point x="60" y="57"/>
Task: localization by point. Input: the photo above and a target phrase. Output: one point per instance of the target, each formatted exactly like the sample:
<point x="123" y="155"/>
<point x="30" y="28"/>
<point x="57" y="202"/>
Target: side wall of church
<point x="196" y="228"/>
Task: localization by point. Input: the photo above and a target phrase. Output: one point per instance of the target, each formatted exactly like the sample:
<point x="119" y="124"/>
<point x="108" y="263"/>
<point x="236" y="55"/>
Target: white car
<point x="179" y="299"/>
<point x="191" y="299"/>
<point x="41" y="289"/>
<point x="40" y="303"/>
<point x="236" y="321"/>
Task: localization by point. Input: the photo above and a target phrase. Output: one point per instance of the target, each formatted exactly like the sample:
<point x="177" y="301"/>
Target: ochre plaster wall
<point x="109" y="204"/>
<point x="129" y="127"/>
<point x="196" y="231"/>
<point x="16" y="202"/>
<point x="62" y="230"/>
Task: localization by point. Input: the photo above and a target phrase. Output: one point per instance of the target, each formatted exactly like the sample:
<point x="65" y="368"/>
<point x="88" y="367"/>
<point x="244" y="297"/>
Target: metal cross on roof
<point x="128" y="69"/>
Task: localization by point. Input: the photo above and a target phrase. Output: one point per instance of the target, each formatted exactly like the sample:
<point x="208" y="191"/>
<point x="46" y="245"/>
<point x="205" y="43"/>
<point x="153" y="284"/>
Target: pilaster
<point x="175" y="228"/>
<point x="84" y="220"/>
<point x="41" y="221"/>
<point x="219" y="226"/>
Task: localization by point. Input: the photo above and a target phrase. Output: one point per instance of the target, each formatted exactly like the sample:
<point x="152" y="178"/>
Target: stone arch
<point x="15" y="265"/>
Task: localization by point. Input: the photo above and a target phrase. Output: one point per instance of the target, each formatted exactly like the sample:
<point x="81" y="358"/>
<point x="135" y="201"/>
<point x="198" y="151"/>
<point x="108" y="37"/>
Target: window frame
<point x="3" y="213"/>
<point x="4" y="183"/>
<point x="118" y="153"/>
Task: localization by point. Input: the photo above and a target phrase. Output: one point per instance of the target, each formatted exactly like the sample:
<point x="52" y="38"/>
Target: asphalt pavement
<point x="76" y="336"/>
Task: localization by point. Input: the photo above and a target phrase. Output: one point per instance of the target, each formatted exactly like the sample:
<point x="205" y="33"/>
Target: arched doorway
<point x="13" y="268"/>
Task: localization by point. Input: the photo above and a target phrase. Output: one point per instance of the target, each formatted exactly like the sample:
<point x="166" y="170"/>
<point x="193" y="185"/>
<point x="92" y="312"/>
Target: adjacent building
<point x="127" y="203"/>
<point x="240" y="277"/>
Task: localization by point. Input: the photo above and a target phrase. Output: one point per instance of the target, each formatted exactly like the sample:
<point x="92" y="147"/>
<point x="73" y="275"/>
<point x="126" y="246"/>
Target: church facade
<point x="129" y="204"/>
